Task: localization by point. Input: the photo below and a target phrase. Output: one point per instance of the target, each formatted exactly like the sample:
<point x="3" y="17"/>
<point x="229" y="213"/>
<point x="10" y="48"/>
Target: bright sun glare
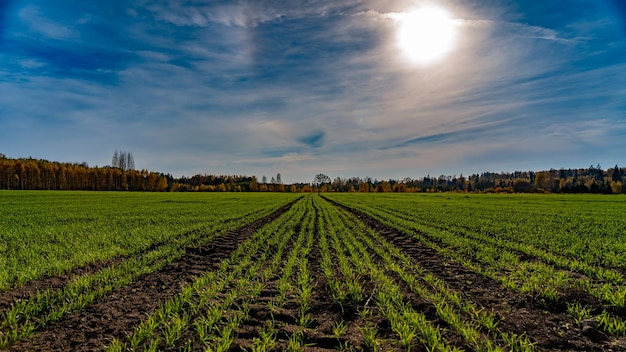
<point x="426" y="35"/>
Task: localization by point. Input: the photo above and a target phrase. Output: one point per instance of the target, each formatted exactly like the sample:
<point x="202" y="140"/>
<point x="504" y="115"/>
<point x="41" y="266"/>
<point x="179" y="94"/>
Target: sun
<point x="426" y="35"/>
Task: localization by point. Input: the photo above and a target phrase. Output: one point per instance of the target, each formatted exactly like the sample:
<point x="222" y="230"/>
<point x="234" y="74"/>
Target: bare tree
<point x="320" y="179"/>
<point x="115" y="162"/>
<point x="124" y="160"/>
<point x="130" y="161"/>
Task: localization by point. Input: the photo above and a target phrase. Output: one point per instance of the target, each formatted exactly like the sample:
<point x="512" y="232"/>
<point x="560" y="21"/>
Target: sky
<point x="307" y="87"/>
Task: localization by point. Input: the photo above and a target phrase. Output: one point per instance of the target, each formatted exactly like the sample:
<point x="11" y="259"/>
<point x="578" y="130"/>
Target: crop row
<point x="315" y="276"/>
<point x="516" y="261"/>
<point x="207" y="313"/>
<point x="394" y="274"/>
<point x="272" y="283"/>
<point x="72" y="229"/>
<point x="23" y="317"/>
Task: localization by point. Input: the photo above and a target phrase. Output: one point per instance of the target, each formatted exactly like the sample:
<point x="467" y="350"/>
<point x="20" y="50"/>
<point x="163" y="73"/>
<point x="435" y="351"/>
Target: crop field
<point x="86" y="271"/>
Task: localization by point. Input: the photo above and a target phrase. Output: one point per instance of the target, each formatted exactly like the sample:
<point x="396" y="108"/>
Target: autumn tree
<point x="616" y="187"/>
<point x="254" y="185"/>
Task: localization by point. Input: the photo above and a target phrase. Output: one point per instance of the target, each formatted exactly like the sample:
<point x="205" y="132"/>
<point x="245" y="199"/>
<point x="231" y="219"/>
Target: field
<point x="87" y="271"/>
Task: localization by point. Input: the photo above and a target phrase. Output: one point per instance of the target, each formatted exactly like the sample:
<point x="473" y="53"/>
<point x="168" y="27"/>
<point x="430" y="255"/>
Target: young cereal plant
<point x="296" y="342"/>
<point x="369" y="337"/>
<point x="517" y="343"/>
<point x="339" y="295"/>
<point x="272" y="305"/>
<point x="340" y="328"/>
<point x="578" y="311"/>
<point x="366" y="313"/>
<point x="355" y="290"/>
<point x="174" y="330"/>
<point x="153" y="346"/>
<point x="305" y="319"/>
<point x="284" y="287"/>
<point x="226" y="339"/>
<point x="267" y="274"/>
<point x="203" y="329"/>
<point x="346" y="346"/>
<point x="406" y="333"/>
<point x="235" y="319"/>
<point x="613" y="295"/>
<point x="266" y="340"/>
<point x="487" y="320"/>
<point x="245" y="310"/>
<point x="115" y="346"/>
<point x="612" y="326"/>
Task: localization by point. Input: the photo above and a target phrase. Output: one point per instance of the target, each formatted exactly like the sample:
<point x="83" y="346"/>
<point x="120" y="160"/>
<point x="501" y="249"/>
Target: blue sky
<point x="303" y="87"/>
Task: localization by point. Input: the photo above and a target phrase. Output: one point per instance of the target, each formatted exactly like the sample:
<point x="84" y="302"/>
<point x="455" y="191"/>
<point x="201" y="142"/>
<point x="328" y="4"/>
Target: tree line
<point x="584" y="180"/>
<point x="34" y="174"/>
<point x="37" y="174"/>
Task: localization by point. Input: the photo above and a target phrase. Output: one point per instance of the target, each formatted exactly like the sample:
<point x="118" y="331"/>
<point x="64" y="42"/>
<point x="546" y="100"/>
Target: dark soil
<point x="317" y="335"/>
<point x="114" y="316"/>
<point x="546" y="324"/>
<point x="54" y="282"/>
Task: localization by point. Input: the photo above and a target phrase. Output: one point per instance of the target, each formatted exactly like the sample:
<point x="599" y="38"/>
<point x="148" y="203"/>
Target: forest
<point x="37" y="174"/>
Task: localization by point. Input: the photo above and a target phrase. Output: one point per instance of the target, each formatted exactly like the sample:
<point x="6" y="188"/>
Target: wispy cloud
<point x="305" y="87"/>
<point x="244" y="14"/>
<point x="33" y="17"/>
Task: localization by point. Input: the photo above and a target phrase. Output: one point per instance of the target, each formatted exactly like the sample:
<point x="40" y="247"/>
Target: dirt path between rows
<point x="55" y="282"/>
<point x="549" y="327"/>
<point x="114" y="316"/>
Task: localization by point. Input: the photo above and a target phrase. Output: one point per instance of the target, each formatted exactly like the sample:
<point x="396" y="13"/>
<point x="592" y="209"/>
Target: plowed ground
<point x="116" y="315"/>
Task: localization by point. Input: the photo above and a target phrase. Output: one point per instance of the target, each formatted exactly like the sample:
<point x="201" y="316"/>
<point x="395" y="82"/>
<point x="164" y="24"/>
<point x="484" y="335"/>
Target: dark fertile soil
<point x="547" y="325"/>
<point x="115" y="315"/>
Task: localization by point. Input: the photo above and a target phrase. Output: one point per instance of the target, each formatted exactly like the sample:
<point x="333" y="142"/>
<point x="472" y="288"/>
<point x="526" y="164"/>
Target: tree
<point x="115" y="162"/>
<point x="616" y="187"/>
<point x="130" y="161"/>
<point x="254" y="185"/>
<point x="278" y="179"/>
<point x="617" y="176"/>
<point x="320" y="179"/>
<point x="123" y="160"/>
<point x="264" y="179"/>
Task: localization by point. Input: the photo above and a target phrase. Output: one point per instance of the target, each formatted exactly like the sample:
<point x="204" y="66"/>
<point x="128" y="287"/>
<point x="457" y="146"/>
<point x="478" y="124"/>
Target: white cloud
<point x="501" y="97"/>
<point x="32" y="16"/>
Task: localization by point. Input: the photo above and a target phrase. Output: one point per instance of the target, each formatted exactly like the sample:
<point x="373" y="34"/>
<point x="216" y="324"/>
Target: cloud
<point x="520" y="29"/>
<point x="306" y="87"/>
<point x="239" y="13"/>
<point x="33" y="17"/>
<point x="282" y="159"/>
